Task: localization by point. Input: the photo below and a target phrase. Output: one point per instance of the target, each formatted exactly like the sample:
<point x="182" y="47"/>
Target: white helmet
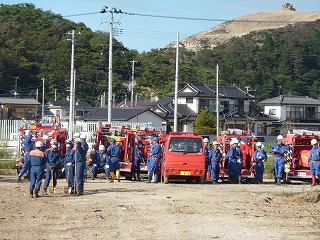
<point x="26" y="133"/>
<point x="102" y="148"/>
<point x="215" y="143"/>
<point x="68" y="145"/>
<point x="76" y="135"/>
<point x="83" y="136"/>
<point x="236" y="141"/>
<point x="45" y="137"/>
<point x="206" y="140"/>
<point x="262" y="146"/>
<point x="314" y="141"/>
<point x="280" y="137"/>
<point x="259" y="144"/>
<point x="38" y="144"/>
<point x="231" y="142"/>
<point x="53" y="141"/>
<point x="54" y="146"/>
<point x="33" y="138"/>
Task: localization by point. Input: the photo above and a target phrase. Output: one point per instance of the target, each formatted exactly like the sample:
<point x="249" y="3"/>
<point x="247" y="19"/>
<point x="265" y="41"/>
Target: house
<point x="123" y="115"/>
<point x="62" y="109"/>
<point x="18" y="108"/>
<point x="299" y="112"/>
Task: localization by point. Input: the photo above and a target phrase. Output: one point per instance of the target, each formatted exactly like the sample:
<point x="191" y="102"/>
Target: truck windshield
<point x="185" y="145"/>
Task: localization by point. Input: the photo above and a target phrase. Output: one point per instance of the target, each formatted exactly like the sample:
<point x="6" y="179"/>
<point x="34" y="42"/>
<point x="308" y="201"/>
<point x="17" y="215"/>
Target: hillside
<point x="244" y="25"/>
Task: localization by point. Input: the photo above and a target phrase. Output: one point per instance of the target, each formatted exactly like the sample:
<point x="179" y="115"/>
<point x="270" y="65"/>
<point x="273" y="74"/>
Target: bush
<point x="5" y="153"/>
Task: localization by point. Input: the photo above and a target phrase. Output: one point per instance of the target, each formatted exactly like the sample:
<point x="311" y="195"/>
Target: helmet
<point x="206" y="140"/>
<point x="262" y="146"/>
<point x="83" y="136"/>
<point x="156" y="139"/>
<point x="26" y="133"/>
<point x="53" y="141"/>
<point x="76" y="135"/>
<point x="102" y="148"/>
<point x="45" y="137"/>
<point x="280" y="137"/>
<point x="259" y="144"/>
<point x="53" y="146"/>
<point x="112" y="140"/>
<point x="215" y="143"/>
<point x="68" y="141"/>
<point x="231" y="142"/>
<point x="68" y="145"/>
<point x="33" y="138"/>
<point x="38" y="144"/>
<point x="314" y="141"/>
<point x="236" y="141"/>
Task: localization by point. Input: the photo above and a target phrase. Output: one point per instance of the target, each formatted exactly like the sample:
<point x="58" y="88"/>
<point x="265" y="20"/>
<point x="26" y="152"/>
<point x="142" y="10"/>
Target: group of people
<point x="42" y="157"/>
<point x="235" y="158"/>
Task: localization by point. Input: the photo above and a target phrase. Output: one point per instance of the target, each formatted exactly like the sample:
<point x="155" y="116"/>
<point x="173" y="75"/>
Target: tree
<point x="205" y="122"/>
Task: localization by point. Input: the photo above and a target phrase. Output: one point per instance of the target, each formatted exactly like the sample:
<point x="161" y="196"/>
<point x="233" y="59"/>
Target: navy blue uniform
<point x="69" y="167"/>
<point x="137" y="161"/>
<point x="37" y="163"/>
<point x="28" y="147"/>
<point x="278" y="151"/>
<point x="314" y="161"/>
<point x="53" y="162"/>
<point x="259" y="158"/>
<point x="154" y="161"/>
<point x="80" y="166"/>
<point x="233" y="156"/>
<point x="215" y="158"/>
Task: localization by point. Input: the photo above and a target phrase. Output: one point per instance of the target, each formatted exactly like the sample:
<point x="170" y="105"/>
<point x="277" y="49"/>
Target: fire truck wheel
<point x="201" y="180"/>
<point x="165" y="179"/>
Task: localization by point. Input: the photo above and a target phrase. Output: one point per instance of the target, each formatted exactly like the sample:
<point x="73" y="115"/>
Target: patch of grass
<point x="7" y="164"/>
<point x="5" y="153"/>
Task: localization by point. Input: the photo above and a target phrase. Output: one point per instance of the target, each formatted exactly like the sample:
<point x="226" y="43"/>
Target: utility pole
<point x="247" y="87"/>
<point x="72" y="86"/>
<point x="55" y="94"/>
<point x="16" y="87"/>
<point x="217" y="100"/>
<point x="42" y="112"/>
<point x="37" y="94"/>
<point x="175" y="117"/>
<point x="132" y="79"/>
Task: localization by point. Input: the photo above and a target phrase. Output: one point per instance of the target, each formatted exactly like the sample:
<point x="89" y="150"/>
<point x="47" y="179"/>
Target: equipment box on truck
<point x="183" y="157"/>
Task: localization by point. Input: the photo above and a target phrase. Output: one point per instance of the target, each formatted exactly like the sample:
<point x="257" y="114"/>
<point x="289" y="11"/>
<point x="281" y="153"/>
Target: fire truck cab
<point x="183" y="157"/>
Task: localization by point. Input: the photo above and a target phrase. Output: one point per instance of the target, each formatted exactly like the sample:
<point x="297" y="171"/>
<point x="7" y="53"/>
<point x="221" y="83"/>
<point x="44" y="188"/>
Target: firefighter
<point x="28" y="143"/>
<point x="85" y="146"/>
<point x="53" y="162"/>
<point x="215" y="159"/>
<point x="80" y="161"/>
<point x="37" y="162"/>
<point x="154" y="160"/>
<point x="259" y="157"/>
<point x="207" y="160"/>
<point x="233" y="157"/>
<point x="69" y="167"/>
<point x="45" y="144"/>
<point x="113" y="153"/>
<point x="99" y="160"/>
<point x="278" y="150"/>
<point x="239" y="161"/>
<point x="314" y="161"/>
<point x="137" y="161"/>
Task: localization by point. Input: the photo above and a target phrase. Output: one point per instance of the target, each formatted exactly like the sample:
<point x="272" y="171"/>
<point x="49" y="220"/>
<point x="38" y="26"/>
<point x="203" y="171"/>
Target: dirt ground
<point x="136" y="210"/>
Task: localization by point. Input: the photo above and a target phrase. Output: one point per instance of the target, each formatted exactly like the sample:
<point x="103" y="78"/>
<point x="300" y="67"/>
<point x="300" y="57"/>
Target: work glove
<point x="254" y="164"/>
<point x="239" y="161"/>
<point x="62" y="170"/>
<point x="107" y="166"/>
<point x="69" y="164"/>
<point x="260" y="157"/>
<point x="94" y="165"/>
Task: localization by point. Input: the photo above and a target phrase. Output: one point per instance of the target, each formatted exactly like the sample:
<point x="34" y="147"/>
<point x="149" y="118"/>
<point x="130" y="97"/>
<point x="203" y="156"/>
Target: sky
<point x="144" y="33"/>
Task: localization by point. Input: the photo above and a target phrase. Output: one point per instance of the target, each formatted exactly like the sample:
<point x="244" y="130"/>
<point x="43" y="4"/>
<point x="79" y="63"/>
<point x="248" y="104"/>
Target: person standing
<point x="113" y="153"/>
<point x="314" y="161"/>
<point x="53" y="161"/>
<point x="154" y="160"/>
<point x="239" y="162"/>
<point x="233" y="157"/>
<point x="85" y="146"/>
<point x="259" y="157"/>
<point x="207" y="158"/>
<point x="37" y="162"/>
<point x="278" y="150"/>
<point x="215" y="159"/>
<point x="137" y="162"/>
<point x="80" y="160"/>
<point x="69" y="167"/>
<point x="28" y="144"/>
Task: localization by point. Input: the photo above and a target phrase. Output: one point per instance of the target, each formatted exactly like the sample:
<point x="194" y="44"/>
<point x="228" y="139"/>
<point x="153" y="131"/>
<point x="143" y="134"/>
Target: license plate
<point x="302" y="174"/>
<point x="185" y="173"/>
<point x="143" y="168"/>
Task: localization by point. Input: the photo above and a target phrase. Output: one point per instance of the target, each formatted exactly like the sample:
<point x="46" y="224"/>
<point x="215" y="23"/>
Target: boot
<point x="118" y="175"/>
<point x="112" y="177"/>
<point x="278" y="181"/>
<point x="314" y="180"/>
<point x="149" y="178"/>
<point x="139" y="178"/>
<point x="36" y="193"/>
<point x="80" y="190"/>
<point x="45" y="190"/>
<point x="19" y="178"/>
<point x="31" y="193"/>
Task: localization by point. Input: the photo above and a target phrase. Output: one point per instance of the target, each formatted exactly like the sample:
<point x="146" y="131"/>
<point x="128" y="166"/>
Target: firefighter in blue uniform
<point x="239" y="161"/>
<point x="259" y="157"/>
<point x="85" y="146"/>
<point x="53" y="163"/>
<point x="207" y="158"/>
<point x="99" y="160"/>
<point x="113" y="153"/>
<point x="137" y="162"/>
<point x="154" y="160"/>
<point x="28" y="143"/>
<point x="278" y="150"/>
<point x="37" y="162"/>
<point x="233" y="157"/>
<point x="215" y="158"/>
<point x="69" y="167"/>
<point x="314" y="161"/>
<point x="80" y="161"/>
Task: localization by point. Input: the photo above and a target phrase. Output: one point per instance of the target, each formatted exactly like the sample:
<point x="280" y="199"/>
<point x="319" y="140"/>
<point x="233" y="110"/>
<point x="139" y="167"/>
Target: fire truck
<point x="297" y="166"/>
<point x="126" y="138"/>
<point x="247" y="140"/>
<point x="183" y="157"/>
<point x="47" y="126"/>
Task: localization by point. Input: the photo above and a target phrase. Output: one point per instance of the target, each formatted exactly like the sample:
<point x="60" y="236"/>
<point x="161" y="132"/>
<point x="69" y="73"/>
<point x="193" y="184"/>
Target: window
<point x="185" y="145"/>
<point x="12" y="113"/>
<point x="79" y="113"/>
<point x="189" y="100"/>
<point x="272" y="112"/>
<point x="28" y="113"/>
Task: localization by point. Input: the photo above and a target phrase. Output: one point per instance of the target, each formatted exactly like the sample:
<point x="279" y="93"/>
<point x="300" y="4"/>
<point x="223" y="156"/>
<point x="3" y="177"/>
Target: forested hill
<point x="33" y="45"/>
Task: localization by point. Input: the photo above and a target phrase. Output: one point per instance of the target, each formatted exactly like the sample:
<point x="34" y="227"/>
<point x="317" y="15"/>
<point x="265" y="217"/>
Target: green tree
<point x="205" y="122"/>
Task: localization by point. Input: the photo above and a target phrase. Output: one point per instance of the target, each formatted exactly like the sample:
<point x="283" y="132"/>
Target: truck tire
<point x="165" y="180"/>
<point x="201" y="180"/>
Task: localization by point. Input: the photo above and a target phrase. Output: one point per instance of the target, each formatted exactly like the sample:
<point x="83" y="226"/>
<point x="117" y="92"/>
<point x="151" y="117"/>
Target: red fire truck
<point x="247" y="145"/>
<point x="183" y="157"/>
<point x="50" y="127"/>
<point x="297" y="166"/>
